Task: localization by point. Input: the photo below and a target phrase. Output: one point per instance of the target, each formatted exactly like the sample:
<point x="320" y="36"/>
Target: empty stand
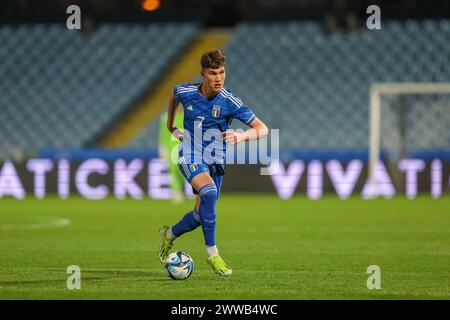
<point x="60" y="88"/>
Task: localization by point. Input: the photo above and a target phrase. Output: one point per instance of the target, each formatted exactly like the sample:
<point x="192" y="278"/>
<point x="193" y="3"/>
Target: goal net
<point x="407" y="120"/>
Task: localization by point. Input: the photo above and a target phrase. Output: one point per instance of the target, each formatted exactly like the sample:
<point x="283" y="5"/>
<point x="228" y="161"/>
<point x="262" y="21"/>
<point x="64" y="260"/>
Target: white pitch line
<point x="54" y="222"/>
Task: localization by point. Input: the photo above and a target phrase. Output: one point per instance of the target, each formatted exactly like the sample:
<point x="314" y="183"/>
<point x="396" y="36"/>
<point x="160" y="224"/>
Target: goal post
<point x="377" y="91"/>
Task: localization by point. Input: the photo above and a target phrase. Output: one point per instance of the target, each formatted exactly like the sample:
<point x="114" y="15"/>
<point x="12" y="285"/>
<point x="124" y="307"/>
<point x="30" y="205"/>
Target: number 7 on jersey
<point x="200" y="122"/>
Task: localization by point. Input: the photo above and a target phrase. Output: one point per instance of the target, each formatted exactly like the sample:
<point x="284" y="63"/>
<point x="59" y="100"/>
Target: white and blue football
<point x="179" y="265"/>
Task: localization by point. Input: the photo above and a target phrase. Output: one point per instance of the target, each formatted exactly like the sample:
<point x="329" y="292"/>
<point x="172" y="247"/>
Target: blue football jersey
<point x="205" y="120"/>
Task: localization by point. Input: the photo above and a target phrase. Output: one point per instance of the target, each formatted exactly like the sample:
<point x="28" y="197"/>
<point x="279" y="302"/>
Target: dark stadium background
<point x="93" y="98"/>
<point x="308" y="123"/>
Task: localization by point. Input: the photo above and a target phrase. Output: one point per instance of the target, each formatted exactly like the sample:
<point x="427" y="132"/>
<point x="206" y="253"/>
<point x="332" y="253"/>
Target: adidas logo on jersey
<point x="190" y="108"/>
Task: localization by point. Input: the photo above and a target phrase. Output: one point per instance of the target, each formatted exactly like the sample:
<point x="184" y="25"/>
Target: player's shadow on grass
<point x="110" y="274"/>
<point x="42" y="282"/>
<point x="90" y="275"/>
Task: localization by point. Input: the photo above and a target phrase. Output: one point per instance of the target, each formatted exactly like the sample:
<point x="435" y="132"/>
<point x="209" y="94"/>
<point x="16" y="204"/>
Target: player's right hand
<point x="178" y="134"/>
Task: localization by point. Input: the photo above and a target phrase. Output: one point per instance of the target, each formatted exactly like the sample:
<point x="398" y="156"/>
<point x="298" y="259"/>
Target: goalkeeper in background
<point x="168" y="148"/>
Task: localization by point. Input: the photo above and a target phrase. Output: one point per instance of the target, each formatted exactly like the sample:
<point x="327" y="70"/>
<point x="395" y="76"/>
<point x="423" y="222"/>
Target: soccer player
<point x="167" y="146"/>
<point x="209" y="109"/>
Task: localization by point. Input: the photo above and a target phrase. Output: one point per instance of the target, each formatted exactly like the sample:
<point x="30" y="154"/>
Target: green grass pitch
<point x="294" y="249"/>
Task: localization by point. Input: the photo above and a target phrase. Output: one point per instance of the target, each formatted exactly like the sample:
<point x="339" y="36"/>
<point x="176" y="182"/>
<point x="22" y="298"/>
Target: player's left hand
<point x="232" y="137"/>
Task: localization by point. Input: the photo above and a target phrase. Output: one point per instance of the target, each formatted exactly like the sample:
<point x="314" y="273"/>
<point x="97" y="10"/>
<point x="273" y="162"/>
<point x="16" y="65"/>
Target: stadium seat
<point x="68" y="86"/>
